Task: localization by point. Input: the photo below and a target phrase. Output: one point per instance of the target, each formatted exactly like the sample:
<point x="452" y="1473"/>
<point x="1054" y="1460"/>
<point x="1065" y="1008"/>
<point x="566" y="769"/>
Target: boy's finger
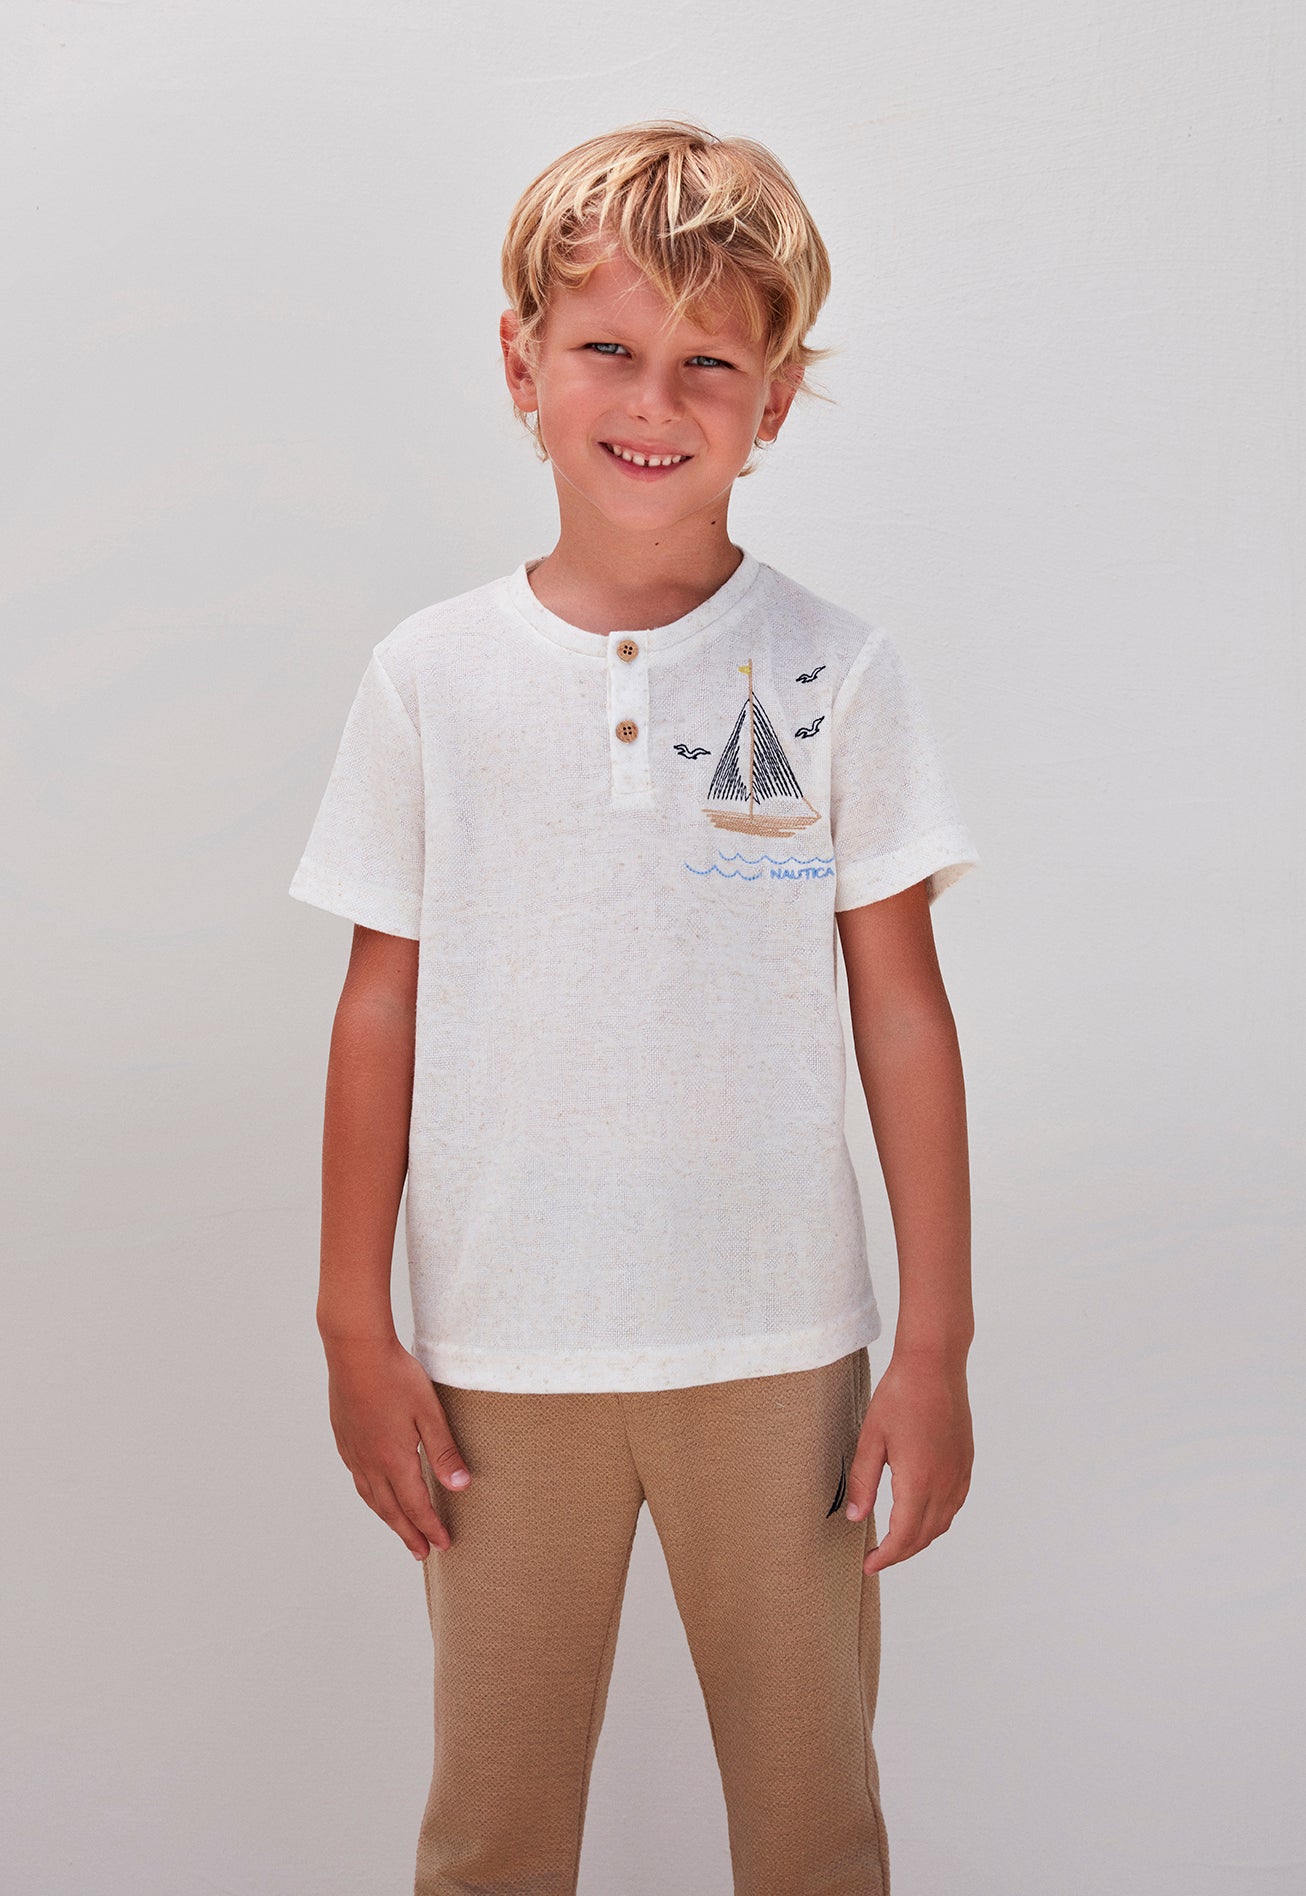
<point x="902" y="1539"/>
<point x="414" y="1498"/>
<point x="442" y="1453"/>
<point x="447" y="1464"/>
<point x="385" y="1503"/>
<point x="864" y="1481"/>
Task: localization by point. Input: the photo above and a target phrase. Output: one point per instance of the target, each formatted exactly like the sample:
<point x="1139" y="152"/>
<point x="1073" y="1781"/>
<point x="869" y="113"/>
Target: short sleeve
<point x="364" y="856"/>
<point x="893" y="815"/>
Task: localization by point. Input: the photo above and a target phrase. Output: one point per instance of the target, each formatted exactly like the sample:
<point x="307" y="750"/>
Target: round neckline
<point x="654" y="638"/>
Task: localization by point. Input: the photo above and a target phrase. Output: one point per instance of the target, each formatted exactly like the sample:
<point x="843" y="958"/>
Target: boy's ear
<point x="521" y="384"/>
<point x="779" y="401"/>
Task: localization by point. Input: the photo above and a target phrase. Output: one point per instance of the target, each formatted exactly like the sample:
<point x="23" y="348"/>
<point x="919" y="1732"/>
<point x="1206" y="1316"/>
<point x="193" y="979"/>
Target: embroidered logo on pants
<point x="841" y="1495"/>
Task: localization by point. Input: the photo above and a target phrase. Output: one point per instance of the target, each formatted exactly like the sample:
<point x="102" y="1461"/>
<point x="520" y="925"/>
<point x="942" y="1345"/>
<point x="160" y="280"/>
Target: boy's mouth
<point x="645" y="466"/>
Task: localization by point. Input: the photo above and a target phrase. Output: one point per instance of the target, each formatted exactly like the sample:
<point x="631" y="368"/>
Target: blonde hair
<point x="704" y="218"/>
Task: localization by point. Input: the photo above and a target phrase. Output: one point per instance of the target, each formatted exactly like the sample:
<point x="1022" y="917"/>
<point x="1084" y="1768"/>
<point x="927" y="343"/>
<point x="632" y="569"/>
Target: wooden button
<point x="627" y="648"/>
<point x="628" y="730"/>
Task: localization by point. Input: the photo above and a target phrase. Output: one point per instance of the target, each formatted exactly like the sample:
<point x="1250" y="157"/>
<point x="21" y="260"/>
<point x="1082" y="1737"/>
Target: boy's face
<point x="612" y="374"/>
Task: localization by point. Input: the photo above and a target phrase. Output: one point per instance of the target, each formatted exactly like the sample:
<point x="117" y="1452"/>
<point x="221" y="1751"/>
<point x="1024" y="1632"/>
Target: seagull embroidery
<point x="810" y="730"/>
<point x="684" y="750"/>
<point x="805" y="678"/>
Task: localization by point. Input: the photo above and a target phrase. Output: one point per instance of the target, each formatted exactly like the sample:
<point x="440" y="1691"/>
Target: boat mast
<point x="750" y="737"/>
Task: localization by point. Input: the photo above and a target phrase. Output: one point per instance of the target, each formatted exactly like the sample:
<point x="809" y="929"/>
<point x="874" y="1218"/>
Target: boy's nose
<point x="655" y="402"/>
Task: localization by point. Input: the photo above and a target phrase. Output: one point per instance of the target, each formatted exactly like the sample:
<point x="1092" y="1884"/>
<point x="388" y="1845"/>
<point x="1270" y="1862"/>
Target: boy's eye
<point x="604" y="346"/>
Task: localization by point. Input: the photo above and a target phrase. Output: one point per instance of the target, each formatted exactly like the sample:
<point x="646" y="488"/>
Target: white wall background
<point x="253" y="416"/>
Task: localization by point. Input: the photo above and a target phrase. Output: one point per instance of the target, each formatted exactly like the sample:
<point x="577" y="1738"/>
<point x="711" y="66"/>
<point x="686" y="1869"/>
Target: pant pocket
<point x="861" y="1382"/>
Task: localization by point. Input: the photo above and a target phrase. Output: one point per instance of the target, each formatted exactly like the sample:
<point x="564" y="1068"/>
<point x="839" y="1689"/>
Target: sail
<point x="727" y="784"/>
<point x="772" y="772"/>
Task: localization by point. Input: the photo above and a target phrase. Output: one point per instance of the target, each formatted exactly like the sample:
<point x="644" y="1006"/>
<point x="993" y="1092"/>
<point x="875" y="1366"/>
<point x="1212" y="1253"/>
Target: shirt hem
<point x="680" y="1367"/>
<point x="389" y="911"/>
<point x="942" y="857"/>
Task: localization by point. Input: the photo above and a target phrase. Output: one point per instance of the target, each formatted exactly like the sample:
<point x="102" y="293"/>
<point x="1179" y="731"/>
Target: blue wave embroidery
<point x="739" y="856"/>
<point x="780" y="871"/>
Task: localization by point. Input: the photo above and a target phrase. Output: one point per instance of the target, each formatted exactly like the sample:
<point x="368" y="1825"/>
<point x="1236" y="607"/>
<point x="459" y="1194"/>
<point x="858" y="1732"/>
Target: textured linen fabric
<point x="746" y="1483"/>
<point x="622" y="856"/>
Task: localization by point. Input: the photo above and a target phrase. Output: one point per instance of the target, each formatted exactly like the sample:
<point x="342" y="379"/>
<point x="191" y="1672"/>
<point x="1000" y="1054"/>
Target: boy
<point x="623" y="799"/>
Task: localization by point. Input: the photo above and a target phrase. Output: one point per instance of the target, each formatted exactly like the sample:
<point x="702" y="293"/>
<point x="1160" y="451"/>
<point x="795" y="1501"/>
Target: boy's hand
<point x="918" y="1421"/>
<point x="382" y="1402"/>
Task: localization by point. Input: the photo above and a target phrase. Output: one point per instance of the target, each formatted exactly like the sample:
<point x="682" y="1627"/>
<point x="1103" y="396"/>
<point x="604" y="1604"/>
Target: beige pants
<point x="741" y="1479"/>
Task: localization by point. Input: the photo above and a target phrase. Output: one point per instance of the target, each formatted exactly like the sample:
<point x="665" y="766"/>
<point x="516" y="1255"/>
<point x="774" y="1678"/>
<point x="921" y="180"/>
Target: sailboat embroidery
<point x="759" y="795"/>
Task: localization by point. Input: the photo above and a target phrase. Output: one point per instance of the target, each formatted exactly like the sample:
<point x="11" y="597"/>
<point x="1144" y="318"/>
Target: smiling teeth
<point x="647" y="460"/>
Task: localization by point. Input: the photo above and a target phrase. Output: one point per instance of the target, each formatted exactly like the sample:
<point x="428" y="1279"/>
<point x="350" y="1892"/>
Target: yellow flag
<point x="748" y="667"/>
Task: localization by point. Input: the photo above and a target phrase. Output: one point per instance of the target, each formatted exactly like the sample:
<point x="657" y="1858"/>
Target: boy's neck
<point x="614" y="582"/>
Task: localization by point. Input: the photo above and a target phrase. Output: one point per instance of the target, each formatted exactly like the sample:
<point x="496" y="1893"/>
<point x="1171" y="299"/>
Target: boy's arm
<point x="382" y="1401"/>
<point x="369" y="1096"/>
<point x="918" y="1419"/>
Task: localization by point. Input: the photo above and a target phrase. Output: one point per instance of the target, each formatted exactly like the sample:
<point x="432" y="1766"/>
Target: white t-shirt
<point x="622" y="856"/>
